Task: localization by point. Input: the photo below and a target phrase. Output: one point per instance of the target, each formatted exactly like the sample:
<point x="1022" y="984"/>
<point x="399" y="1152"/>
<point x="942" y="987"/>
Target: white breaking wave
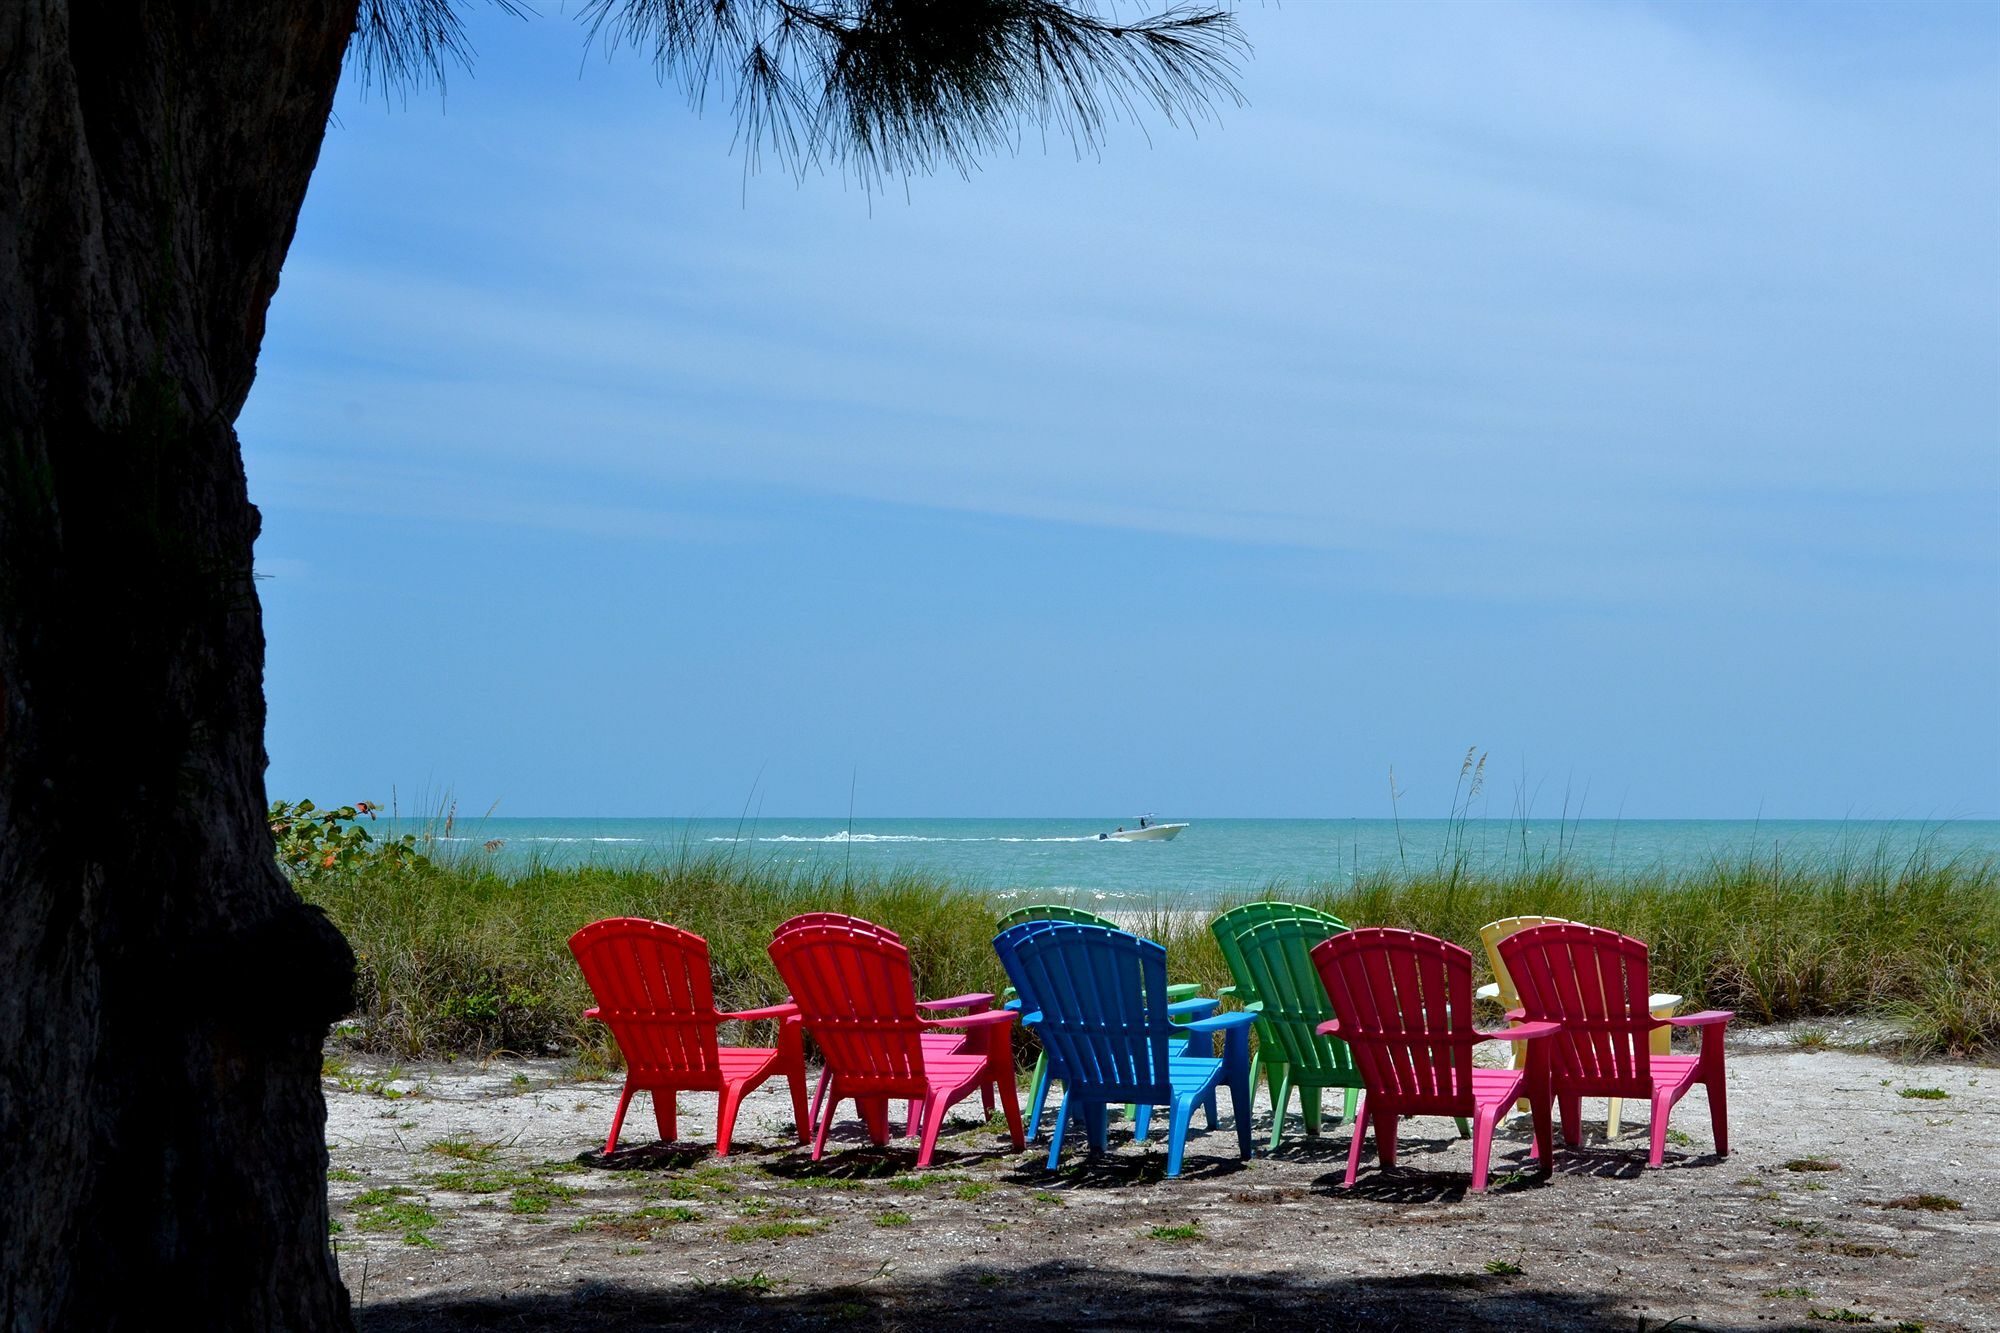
<point x="892" y="837"/>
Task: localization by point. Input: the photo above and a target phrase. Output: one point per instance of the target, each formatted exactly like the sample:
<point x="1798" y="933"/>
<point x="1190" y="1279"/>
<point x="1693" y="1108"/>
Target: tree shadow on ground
<point x="1052" y="1295"/>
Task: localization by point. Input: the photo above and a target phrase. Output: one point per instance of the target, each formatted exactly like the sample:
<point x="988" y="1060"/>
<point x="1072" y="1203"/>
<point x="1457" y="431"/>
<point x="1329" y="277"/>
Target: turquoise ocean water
<point x="1212" y="857"/>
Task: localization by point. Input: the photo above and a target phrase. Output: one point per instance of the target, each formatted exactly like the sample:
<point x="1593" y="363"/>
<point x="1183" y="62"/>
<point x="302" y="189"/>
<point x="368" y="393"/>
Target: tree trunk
<point x="163" y="992"/>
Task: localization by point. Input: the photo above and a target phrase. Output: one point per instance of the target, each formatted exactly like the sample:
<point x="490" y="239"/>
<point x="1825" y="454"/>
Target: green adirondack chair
<point x="1062" y="912"/>
<point x="1268" y="946"/>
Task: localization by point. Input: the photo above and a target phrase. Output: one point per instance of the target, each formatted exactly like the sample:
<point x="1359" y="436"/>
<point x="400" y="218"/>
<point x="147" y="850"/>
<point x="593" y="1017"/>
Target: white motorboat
<point x="1147" y="831"/>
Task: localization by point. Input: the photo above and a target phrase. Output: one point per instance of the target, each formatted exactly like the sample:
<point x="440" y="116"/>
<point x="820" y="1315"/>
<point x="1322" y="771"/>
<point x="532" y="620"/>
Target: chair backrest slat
<point x="653" y="992"/>
<point x="1404" y="1001"/>
<point x="1597" y="984"/>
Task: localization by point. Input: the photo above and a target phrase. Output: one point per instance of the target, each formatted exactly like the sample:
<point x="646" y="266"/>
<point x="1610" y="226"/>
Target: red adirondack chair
<point x="1594" y="983"/>
<point x="852" y="988"/>
<point x="653" y="991"/>
<point x="1403" y="1002"/>
<point x="935" y="1043"/>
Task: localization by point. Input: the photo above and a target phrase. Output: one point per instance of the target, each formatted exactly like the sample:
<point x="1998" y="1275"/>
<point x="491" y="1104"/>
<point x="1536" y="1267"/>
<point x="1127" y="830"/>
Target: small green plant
<point x="539" y="1196"/>
<point x="743" y="1233"/>
<point x="387" y="1212"/>
<point x="313" y="842"/>
<point x="1811" y="1038"/>
<point x="1926" y="1203"/>
<point x="922" y="1181"/>
<point x="1503" y="1268"/>
<point x="1923" y="1094"/>
<point x="1843" y="1315"/>
<point x="1678" y="1139"/>
<point x="892" y="1220"/>
<point x="972" y="1190"/>
<point x="990" y="1279"/>
<point x="1044" y="1196"/>
<point x="1812" y="1163"/>
<point x="1185" y="1231"/>
<point x="1788" y="1294"/>
<point x="756" y="1284"/>
<point x="342" y="1173"/>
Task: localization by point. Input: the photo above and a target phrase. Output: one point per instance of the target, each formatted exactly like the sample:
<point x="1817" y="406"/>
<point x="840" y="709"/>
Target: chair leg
<point x="618" y="1119"/>
<point x="1040" y="1096"/>
<point x="1142" y="1122"/>
<point x="725" y="1116"/>
<point x="1571" y="1107"/>
<point x="1663" y="1107"/>
<point x="1281" y="1101"/>
<point x="1385" y="1137"/>
<point x="1213" y="1112"/>
<point x="875" y="1114"/>
<point x="933" y="1120"/>
<point x="1177" y="1132"/>
<point x="821" y="1125"/>
<point x="801" y="1117"/>
<point x="1062" y="1123"/>
<point x="1310" y="1105"/>
<point x="1718" y="1113"/>
<point x="819" y="1091"/>
<point x="1347" y="1103"/>
<point x="1256" y="1063"/>
<point x="1545" y="1144"/>
<point x="666" y="1114"/>
<point x="913" y="1117"/>
<point x="1464" y="1126"/>
<point x="1611" y="1114"/>
<point x="1360" y="1131"/>
<point x="1010" y="1103"/>
<point x="1483" y="1121"/>
<point x="1097" y="1126"/>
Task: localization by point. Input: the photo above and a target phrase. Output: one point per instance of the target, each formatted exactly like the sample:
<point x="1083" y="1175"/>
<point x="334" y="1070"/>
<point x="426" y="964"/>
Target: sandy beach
<point x="471" y="1195"/>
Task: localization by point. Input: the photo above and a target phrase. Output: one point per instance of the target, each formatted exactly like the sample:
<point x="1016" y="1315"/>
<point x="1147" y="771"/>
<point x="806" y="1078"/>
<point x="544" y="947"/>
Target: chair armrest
<point x="1523" y="1032"/>
<point x="754" y="1015"/>
<point x="1226" y="990"/>
<point x="1199" y="1008"/>
<point x="1659" y="1000"/>
<point x="1706" y="1018"/>
<point x="985" y="1018"/>
<point x="1330" y="1028"/>
<point x="590" y="1012"/>
<point x="1029" y="1020"/>
<point x="1221" y="1022"/>
<point x="1490" y="991"/>
<point x="977" y="1000"/>
<point x="1180" y="990"/>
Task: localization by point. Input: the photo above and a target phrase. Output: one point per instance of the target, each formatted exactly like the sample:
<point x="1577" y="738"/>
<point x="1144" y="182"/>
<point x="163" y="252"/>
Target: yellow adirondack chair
<point x="1501" y="990"/>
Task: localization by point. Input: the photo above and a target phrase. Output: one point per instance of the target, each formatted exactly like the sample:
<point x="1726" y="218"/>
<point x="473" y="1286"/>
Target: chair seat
<point x="1672" y="1072"/>
<point x="936" y="1044"/>
<point x="744" y="1061"/>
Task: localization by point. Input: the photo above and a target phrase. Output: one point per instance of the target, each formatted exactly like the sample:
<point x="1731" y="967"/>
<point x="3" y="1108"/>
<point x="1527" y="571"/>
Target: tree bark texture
<point x="163" y="992"/>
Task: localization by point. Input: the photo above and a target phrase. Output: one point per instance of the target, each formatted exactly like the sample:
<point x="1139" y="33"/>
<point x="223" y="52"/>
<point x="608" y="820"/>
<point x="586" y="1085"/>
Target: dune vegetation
<point x="461" y="956"/>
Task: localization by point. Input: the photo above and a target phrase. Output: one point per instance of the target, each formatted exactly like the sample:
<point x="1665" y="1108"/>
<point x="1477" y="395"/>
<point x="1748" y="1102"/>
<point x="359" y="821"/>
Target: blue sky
<point x="1615" y="387"/>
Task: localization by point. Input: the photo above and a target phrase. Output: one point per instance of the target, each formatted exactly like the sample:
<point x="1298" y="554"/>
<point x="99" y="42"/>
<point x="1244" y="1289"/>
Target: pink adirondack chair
<point x="1594" y="983"/>
<point x="653" y="991"/>
<point x="1403" y="1002"/>
<point x="936" y="1043"/>
<point x="852" y="988"/>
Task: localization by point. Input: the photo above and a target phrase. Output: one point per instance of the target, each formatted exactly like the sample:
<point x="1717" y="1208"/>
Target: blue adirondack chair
<point x="1181" y="1011"/>
<point x="1100" y="1006"/>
